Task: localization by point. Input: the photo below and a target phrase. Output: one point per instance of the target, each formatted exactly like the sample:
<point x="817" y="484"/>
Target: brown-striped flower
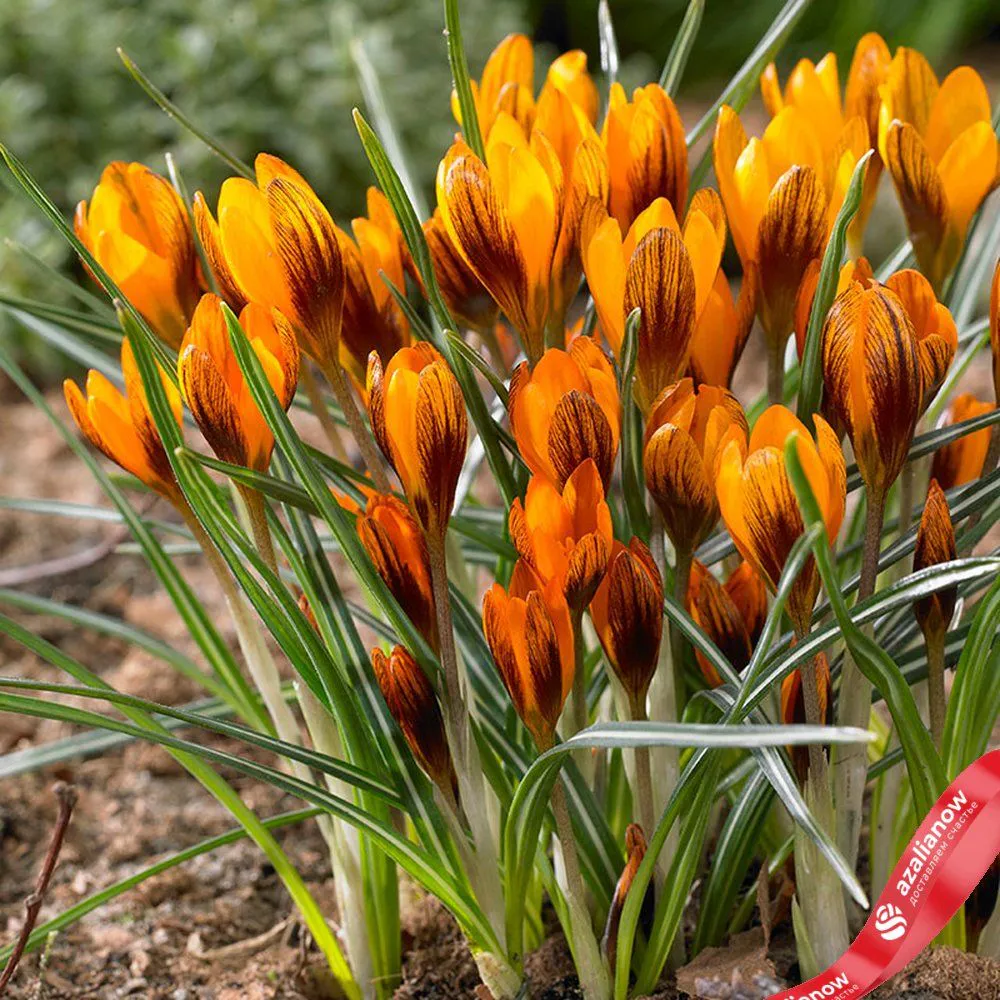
<point x="873" y="373"/>
<point x="851" y="270"/>
<point x="635" y="851"/>
<point x="121" y="425"/>
<point x="938" y="144"/>
<point x="413" y="704"/>
<point x="465" y="295"/>
<point x="565" y="534"/>
<point x="566" y="410"/>
<point x="627" y="611"/>
<point x="275" y="243"/>
<point x="673" y="277"/>
<point x="138" y="229"/>
<point x="935" y="545"/>
<point x="759" y="506"/>
<point x="516" y="219"/>
<point x="398" y="551"/>
<point x="781" y="195"/>
<point x="418" y="417"/>
<point x="686" y="434"/>
<point x="216" y="391"/>
<point x="530" y="634"/>
<point x="815" y="90"/>
<point x="647" y="152"/>
<point x="793" y="708"/>
<point x="731" y="614"/>
<point x="961" y="461"/>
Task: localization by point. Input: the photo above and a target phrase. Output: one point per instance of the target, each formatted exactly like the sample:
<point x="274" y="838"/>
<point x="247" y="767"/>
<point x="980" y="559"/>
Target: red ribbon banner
<point x="943" y="862"/>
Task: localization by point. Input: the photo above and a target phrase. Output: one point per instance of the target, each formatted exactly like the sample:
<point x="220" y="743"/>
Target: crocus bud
<point x="793" y="708"/>
<point x="687" y="432"/>
<point x="277" y="245"/>
<point x="635" y="851"/>
<point x="566" y="410"/>
<point x="398" y="550"/>
<point x="418" y="417"/>
<point x="414" y="706"/>
<point x="961" y="461"/>
<point x="530" y="634"/>
<point x="717" y="615"/>
<point x="872" y="379"/>
<point x="748" y="592"/>
<point x="758" y="502"/>
<point x="215" y="389"/>
<point x="935" y="545"/>
<point x="565" y="535"/>
<point x="627" y="612"/>
<point x="138" y="229"/>
<point x="122" y="426"/>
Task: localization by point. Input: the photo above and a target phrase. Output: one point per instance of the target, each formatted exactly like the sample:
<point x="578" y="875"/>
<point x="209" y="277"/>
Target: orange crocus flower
<point x="566" y="410"/>
<point x="647" y="152"/>
<point x="851" y="270"/>
<point x="938" y="144"/>
<point x="793" y="708"/>
<point x="276" y="244"/>
<point x="530" y="634"/>
<point x="418" y="417"/>
<point x="686" y="434"/>
<point x="781" y="196"/>
<point x="815" y="90"/>
<point x="627" y="611"/>
<point x="876" y="366"/>
<point x="138" y="229"/>
<point x="398" y="551"/>
<point x="516" y="219"/>
<point x="565" y="534"/>
<point x="122" y="427"/>
<point x="962" y="461"/>
<point x="758" y="503"/>
<point x="214" y="387"/>
<point x="731" y="614"/>
<point x="413" y="704"/>
<point x="935" y="545"/>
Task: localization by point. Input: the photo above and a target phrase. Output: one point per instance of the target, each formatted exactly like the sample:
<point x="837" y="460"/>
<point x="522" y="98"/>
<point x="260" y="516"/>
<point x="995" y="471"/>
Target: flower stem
<point x="352" y="414"/>
<point x="678" y="644"/>
<point x="934" y="641"/>
<point x="580" y="715"/>
<point x="855" y="703"/>
<point x="643" y="774"/>
<point x="594" y="979"/>
<point x="775" y="370"/>
<point x="315" y="396"/>
<point x="257" y="516"/>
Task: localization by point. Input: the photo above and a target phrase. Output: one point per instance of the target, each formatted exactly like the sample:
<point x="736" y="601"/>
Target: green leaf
<point x="461" y="81"/>
<point x="609" y="44"/>
<point x="680" y="51"/>
<point x="811" y="385"/>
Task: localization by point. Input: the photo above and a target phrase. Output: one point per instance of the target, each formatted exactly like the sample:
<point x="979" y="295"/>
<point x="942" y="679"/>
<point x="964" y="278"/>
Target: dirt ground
<point x="219" y="927"/>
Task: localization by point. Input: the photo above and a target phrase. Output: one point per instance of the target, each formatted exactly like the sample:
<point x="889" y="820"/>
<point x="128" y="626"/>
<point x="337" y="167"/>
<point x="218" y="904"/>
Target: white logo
<point x="890" y="922"/>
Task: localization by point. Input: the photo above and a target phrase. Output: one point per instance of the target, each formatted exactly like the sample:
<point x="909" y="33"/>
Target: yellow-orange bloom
<point x="516" y="218"/>
<point x="275" y="243"/>
<point x="876" y="367"/>
<point x="566" y="410"/>
<point x="938" y="144"/>
<point x="781" y="195"/>
<point x="467" y="299"/>
<point x="686" y="434"/>
<point x="731" y="614"/>
<point x="647" y="152"/>
<point x="214" y="387"/>
<point x="815" y="90"/>
<point x="138" y="229"/>
<point x="121" y="425"/>
<point x="962" y="461"/>
<point x="674" y="278"/>
<point x="418" y="417"/>
<point x="413" y="704"/>
<point x="759" y="506"/>
<point x="793" y="707"/>
<point x="530" y="634"/>
<point x="851" y="270"/>
<point x="935" y="545"/>
<point x="398" y="551"/>
<point x="566" y="534"/>
<point x="627" y="611"/>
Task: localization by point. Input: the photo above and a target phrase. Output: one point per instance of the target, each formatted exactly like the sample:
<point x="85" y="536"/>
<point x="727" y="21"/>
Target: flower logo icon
<point x="890" y="922"/>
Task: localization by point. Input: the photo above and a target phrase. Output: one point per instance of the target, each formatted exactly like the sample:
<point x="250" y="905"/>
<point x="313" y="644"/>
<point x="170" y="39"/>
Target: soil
<point x="220" y="927"/>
